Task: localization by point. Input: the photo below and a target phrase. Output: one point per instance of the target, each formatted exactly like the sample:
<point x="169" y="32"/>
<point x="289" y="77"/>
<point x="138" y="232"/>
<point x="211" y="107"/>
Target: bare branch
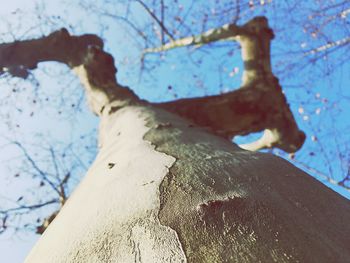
<point x="162" y="18"/>
<point x="83" y="53"/>
<point x="160" y="23"/>
<point x="323" y="176"/>
<point x="340" y="42"/>
<point x="254" y="37"/>
<point x="258" y="105"/>
<point x="47" y="221"/>
<point x="29" y="207"/>
<point x="224" y="33"/>
<point x="246" y="110"/>
<point x="58" y="46"/>
<point x="36" y="167"/>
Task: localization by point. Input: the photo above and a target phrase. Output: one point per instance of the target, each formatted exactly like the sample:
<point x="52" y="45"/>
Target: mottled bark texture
<point x="166" y="188"/>
<point x="230" y="205"/>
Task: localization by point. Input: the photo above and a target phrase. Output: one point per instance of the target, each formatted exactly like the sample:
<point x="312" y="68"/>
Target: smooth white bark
<point x="112" y="215"/>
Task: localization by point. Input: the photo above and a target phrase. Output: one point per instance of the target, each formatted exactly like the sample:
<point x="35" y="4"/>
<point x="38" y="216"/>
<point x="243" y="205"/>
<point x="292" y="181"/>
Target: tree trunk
<point x="163" y="190"/>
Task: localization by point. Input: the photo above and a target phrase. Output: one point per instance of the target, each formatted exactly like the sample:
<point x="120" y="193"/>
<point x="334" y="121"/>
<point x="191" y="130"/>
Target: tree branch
<point x="258" y="105"/>
<point x="58" y="46"/>
<point x="340" y="42"/>
<point x="254" y="37"/>
<point x="83" y="54"/>
<point x="324" y="176"/>
<point x="43" y="175"/>
<point x="29" y="207"/>
<point x="244" y="111"/>
<point x="224" y="33"/>
<point x="160" y="23"/>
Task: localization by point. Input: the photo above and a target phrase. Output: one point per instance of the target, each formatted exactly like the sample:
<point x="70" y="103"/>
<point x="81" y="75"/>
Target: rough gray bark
<point x="163" y="189"/>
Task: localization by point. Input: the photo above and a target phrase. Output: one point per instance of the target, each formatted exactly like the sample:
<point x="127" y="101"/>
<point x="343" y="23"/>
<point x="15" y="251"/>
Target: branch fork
<point x="258" y="105"/>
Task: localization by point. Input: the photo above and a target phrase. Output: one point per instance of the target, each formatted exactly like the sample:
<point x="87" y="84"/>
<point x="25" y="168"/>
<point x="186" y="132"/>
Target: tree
<point x="307" y="56"/>
<point x="167" y="185"/>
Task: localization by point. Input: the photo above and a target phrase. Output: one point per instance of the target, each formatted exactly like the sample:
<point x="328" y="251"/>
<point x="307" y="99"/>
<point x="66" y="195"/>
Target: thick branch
<point x="83" y="53"/>
<point x="245" y="111"/>
<point x="58" y="46"/>
<point x="254" y="38"/>
<point x="259" y="105"/>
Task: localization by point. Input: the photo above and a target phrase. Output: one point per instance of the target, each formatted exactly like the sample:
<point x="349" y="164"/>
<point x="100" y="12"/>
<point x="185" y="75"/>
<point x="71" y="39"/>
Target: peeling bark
<point x="113" y="214"/>
<point x="177" y="193"/>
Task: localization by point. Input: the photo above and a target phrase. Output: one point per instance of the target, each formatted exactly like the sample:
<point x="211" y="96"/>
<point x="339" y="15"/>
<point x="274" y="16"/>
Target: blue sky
<point x="320" y="105"/>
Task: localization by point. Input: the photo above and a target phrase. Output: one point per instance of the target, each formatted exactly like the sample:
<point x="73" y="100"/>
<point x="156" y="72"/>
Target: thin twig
<point x="149" y="11"/>
<point x="35" y="166"/>
<point x="28" y="207"/>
